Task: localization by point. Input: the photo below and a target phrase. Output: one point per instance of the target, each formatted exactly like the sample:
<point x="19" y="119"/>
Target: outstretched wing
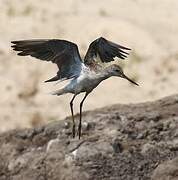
<point x="63" y="53"/>
<point x="106" y="50"/>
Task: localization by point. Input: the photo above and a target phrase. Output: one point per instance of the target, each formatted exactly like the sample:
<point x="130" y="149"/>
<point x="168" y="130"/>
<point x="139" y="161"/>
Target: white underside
<point x="86" y="82"/>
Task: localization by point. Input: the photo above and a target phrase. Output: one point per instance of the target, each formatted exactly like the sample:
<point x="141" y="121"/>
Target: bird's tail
<point x="58" y="92"/>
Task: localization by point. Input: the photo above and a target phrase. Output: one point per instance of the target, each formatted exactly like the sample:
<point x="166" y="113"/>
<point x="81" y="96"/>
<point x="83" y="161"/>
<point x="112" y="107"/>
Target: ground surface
<point x="120" y="142"/>
<point x="148" y="27"/>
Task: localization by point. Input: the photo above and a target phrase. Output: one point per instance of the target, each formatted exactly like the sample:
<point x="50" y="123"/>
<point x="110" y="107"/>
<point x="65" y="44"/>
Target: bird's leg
<point x="72" y="112"/>
<point x="80" y="121"/>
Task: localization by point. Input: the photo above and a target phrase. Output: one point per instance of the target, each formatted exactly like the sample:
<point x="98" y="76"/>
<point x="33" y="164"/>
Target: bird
<point x="83" y="75"/>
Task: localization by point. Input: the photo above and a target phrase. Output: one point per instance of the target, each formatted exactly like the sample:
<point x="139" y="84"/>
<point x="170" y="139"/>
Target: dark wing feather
<point x="106" y="50"/>
<point x="63" y="53"/>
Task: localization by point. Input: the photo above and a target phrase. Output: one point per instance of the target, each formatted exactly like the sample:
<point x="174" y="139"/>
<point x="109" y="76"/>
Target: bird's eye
<point x="117" y="70"/>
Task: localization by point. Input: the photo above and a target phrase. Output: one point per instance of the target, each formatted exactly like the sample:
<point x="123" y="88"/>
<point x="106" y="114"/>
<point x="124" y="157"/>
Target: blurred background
<point x="148" y="27"/>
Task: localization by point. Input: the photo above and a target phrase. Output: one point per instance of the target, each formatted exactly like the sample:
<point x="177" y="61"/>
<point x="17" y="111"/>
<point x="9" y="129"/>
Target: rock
<point x="167" y="170"/>
<point x="117" y="146"/>
<point x="122" y="142"/>
<point x="147" y="147"/>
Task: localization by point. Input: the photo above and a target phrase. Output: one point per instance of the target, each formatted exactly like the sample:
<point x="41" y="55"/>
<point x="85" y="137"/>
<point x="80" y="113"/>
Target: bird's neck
<point x="103" y="75"/>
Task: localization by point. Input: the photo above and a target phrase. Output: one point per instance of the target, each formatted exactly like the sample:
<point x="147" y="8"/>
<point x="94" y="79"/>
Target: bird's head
<point x="115" y="70"/>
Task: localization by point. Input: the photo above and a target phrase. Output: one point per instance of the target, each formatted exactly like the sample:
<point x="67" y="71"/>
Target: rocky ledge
<point x="120" y="142"/>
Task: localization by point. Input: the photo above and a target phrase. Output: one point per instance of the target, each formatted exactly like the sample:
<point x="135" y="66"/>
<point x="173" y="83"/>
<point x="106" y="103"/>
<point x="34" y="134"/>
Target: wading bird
<point x="84" y="75"/>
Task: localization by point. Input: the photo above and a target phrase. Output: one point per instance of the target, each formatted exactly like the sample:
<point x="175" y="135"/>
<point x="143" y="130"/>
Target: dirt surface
<point x="148" y="27"/>
<point x="120" y="142"/>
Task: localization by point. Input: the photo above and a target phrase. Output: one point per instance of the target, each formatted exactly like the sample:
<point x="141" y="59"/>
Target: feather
<point x="106" y="50"/>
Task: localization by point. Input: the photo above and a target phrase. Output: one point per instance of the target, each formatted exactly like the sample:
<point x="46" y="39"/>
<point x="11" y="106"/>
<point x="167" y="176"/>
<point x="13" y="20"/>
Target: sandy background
<point x="149" y="27"/>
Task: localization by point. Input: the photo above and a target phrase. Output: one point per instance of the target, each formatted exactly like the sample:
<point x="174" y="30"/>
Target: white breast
<point x="84" y="83"/>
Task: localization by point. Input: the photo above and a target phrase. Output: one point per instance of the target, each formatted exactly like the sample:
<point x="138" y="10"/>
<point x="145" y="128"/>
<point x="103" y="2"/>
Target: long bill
<point x="130" y="80"/>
